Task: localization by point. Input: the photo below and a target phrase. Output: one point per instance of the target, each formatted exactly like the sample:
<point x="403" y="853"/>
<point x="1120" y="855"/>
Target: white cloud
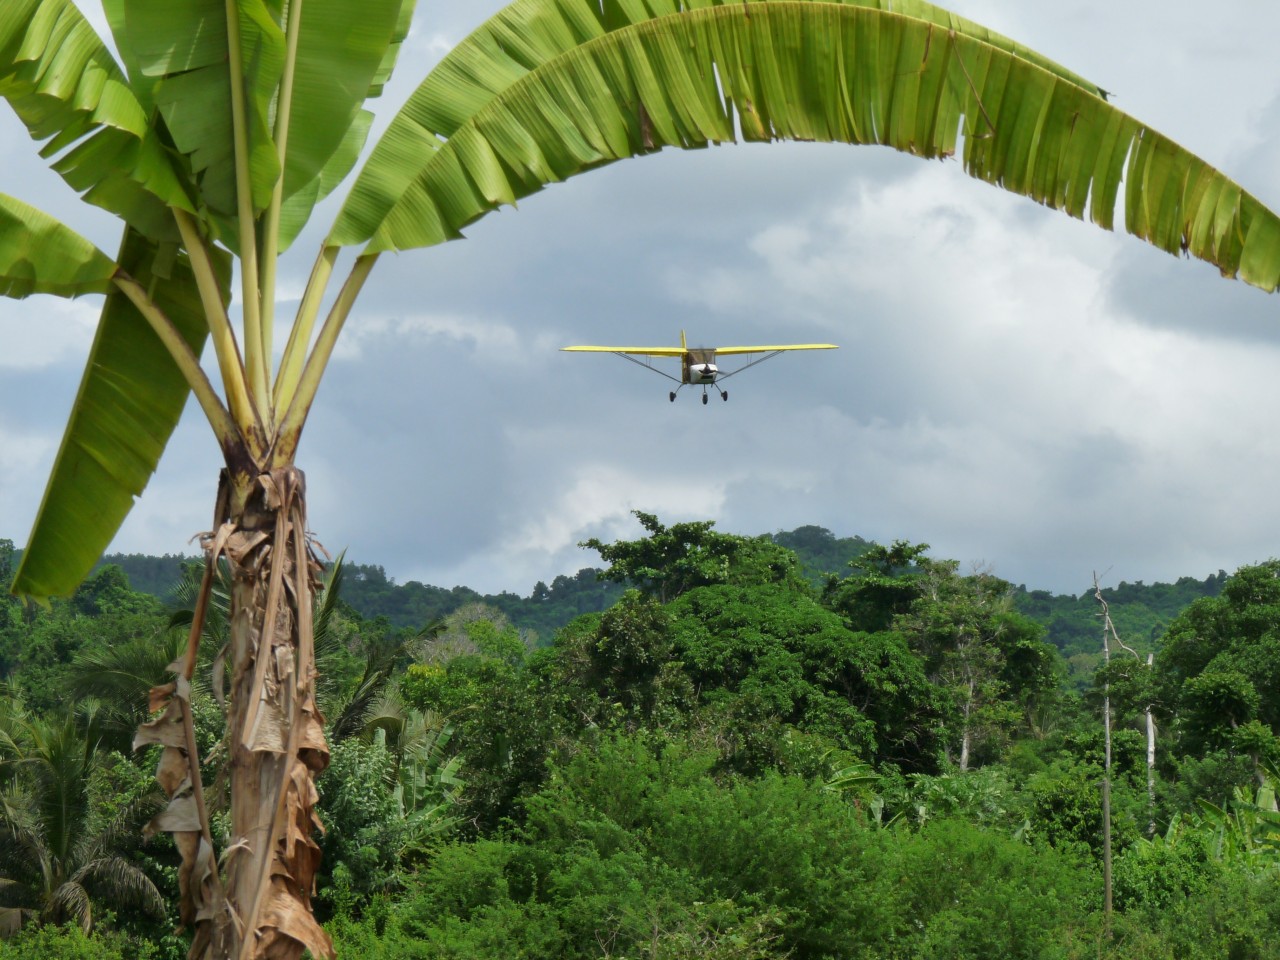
<point x="543" y="539"/>
<point x="495" y="342"/>
<point x="602" y="496"/>
<point x="42" y="331"/>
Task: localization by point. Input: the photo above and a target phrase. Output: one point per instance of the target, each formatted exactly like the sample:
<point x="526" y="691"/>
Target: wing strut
<point x="649" y="366"/>
<point x="747" y="366"/>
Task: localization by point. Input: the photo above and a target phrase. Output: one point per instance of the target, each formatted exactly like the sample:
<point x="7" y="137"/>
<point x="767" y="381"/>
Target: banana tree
<point x="217" y="125"/>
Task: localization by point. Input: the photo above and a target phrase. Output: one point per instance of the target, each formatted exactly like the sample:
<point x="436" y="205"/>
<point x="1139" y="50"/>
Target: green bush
<point x="646" y="824"/>
<point x="1159" y="875"/>
<point x="1233" y="918"/>
<point x="71" y="943"/>
<point x="364" y="826"/>
<point x="976" y="894"/>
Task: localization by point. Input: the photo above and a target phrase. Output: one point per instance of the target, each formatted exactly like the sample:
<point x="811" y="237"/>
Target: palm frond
<point x="69" y="903"/>
<point x="387" y="716"/>
<point x="326" y="605"/>
<point x="120" y="676"/>
<point x="186" y="592"/>
<point x="24" y="855"/>
<point x="120" y="883"/>
<point x="355" y="710"/>
<point x="124" y="825"/>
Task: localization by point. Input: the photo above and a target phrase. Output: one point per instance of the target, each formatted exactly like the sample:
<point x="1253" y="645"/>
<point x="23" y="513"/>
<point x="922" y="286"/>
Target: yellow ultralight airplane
<point x="698" y="364"/>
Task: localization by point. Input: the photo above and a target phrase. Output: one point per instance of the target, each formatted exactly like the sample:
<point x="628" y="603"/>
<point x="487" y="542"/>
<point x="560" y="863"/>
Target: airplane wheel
<point x="672" y="396"/>
<point x="725" y="396"/>
<point x="704" y="398"/>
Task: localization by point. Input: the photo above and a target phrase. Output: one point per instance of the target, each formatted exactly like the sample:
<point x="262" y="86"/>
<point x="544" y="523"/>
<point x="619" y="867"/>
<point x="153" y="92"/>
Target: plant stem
<point x="295" y="350"/>
<point x="223" y="336"/>
<point x="271" y="232"/>
<point x="224" y="427"/>
<point x="295" y="418"/>
<point x="255" y="362"/>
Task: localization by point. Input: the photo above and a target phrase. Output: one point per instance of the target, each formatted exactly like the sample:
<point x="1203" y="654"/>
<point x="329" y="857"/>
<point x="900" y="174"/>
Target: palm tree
<point x="222" y="124"/>
<point x="119" y="678"/>
<point x="56" y="857"/>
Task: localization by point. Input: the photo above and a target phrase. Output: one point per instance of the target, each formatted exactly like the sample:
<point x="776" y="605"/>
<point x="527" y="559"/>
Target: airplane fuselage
<point x="704" y="373"/>
<point x="699" y="366"/>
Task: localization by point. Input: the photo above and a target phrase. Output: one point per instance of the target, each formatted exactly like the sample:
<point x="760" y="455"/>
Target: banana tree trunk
<point x="275" y="732"/>
<point x="258" y="905"/>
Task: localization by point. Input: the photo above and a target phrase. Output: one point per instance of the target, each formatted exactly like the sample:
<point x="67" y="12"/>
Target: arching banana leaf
<point x="811" y="71"/>
<point x="529" y="34"/>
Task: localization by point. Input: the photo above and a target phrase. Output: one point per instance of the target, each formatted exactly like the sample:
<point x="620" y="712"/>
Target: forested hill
<point x="1140" y="611"/>
<point x="368" y="591"/>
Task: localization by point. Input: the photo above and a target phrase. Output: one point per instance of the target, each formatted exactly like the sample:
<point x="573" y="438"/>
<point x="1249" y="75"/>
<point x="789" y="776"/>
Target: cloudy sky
<point x="1018" y="389"/>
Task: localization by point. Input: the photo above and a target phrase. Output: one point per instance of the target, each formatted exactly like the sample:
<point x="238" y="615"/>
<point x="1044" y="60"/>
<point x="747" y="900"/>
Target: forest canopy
<point x="793" y="745"/>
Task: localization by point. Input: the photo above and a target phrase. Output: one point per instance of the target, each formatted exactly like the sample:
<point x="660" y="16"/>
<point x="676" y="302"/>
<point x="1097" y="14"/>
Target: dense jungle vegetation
<point x="714" y="746"/>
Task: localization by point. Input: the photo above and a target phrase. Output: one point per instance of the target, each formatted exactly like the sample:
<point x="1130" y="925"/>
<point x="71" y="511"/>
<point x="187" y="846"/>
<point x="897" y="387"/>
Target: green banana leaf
<point x="67" y="89"/>
<point x="302" y="194"/>
<point x="341" y="51"/>
<point x="527" y="35"/>
<point x="183" y="46"/>
<point x="297" y="207"/>
<point x="128" y="405"/>
<point x="345" y="51"/>
<point x="132" y="396"/>
<point x="38" y="254"/>
<point x="392" y="55"/>
<point x="810" y="71"/>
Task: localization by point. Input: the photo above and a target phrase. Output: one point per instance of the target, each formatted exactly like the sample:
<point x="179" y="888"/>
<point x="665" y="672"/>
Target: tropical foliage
<point x="754" y="769"/>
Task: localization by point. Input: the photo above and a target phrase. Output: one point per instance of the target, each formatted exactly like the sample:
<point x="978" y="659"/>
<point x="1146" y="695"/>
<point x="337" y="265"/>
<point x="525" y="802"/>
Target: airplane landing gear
<point x="704" y="397"/>
<point x="672" y="396"/>
<point x="724" y="395"/>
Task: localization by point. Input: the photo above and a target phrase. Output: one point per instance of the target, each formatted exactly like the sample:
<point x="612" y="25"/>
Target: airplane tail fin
<point x="683" y="345"/>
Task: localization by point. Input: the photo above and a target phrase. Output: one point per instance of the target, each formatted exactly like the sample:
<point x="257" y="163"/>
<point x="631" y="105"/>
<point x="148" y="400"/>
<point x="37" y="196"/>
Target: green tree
<point x="506" y="719"/>
<point x="989" y="659"/>
<point x="628" y="660"/>
<point x="765" y="656"/>
<point x="222" y="124"/>
<point x="819" y="551"/>
<point x="885" y="582"/>
<point x="1218" y="670"/>
<point x="669" y="561"/>
<point x="990" y="663"/>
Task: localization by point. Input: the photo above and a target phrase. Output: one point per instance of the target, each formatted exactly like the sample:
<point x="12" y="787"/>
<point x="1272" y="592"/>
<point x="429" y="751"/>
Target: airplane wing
<point x="729" y="351"/>
<point x="643" y="351"/>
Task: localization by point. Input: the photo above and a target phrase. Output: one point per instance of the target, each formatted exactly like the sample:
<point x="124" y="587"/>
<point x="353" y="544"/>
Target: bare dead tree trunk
<point x="1109" y="635"/>
<point x="1151" y="760"/>
<point x="260" y="909"/>
<point x="1106" y="767"/>
<point x="966" y="735"/>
